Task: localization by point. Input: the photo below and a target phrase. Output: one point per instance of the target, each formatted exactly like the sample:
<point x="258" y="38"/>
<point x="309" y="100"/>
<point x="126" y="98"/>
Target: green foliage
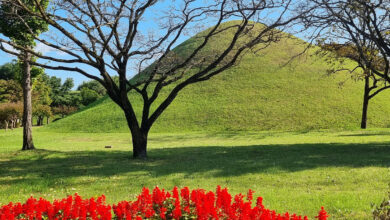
<point x="13" y="71"/>
<point x="41" y="112"/>
<point x="41" y="91"/>
<point x="9" y="70"/>
<point x="67" y="86"/>
<point x="10" y="113"/>
<point x="93" y="85"/>
<point x="61" y="94"/>
<point x="88" y="96"/>
<point x="55" y="83"/>
<point x="12" y="26"/>
<point x="91" y="91"/>
<point x="10" y="91"/>
<point x="10" y="110"/>
<point x="74" y="99"/>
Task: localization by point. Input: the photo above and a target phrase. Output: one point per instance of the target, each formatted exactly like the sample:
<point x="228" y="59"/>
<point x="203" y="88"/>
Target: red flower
<point x="197" y="203"/>
<point x="322" y="215"/>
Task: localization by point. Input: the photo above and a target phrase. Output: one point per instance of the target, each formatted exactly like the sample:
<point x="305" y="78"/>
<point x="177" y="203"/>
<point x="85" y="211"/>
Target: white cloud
<point x="44" y="49"/>
<point x="10" y="48"/>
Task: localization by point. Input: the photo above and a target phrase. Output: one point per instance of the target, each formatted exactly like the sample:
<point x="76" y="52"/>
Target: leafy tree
<point x="41" y="91"/>
<point x="93" y="85"/>
<point x="10" y="114"/>
<point x="109" y="37"/>
<point x="10" y="91"/>
<point x="61" y="94"/>
<point x="8" y="70"/>
<point x="91" y="91"/>
<point x="42" y="111"/>
<point x="88" y="96"/>
<point x="11" y="81"/>
<point x="13" y="71"/>
<point x="68" y="85"/>
<point x="22" y="34"/>
<point x="73" y="98"/>
<point x="55" y="84"/>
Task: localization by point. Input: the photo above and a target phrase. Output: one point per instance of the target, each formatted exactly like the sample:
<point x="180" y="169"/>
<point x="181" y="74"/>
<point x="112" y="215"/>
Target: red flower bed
<point x="159" y="204"/>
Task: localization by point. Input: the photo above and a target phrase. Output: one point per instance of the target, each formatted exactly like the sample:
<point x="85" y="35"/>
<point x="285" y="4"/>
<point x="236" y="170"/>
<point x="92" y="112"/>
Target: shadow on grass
<point x="365" y="134"/>
<point x="223" y="161"/>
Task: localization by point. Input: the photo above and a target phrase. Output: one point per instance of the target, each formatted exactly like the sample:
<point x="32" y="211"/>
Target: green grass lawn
<point x="296" y="172"/>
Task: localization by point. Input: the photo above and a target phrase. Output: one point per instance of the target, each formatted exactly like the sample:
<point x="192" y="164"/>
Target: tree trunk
<point x="139" y="137"/>
<point x="6" y="125"/>
<point x="27" y="106"/>
<point x="140" y="142"/>
<point x="366" y="99"/>
<point x="47" y="120"/>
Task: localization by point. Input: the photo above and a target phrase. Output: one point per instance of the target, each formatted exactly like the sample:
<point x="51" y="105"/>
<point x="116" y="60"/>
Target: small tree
<point x="338" y="53"/>
<point x="364" y="27"/>
<point x="41" y="91"/>
<point x="41" y="112"/>
<point x="115" y="35"/>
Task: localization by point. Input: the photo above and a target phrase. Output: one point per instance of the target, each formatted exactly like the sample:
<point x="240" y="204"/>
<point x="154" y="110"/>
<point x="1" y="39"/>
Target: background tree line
<point x="50" y="96"/>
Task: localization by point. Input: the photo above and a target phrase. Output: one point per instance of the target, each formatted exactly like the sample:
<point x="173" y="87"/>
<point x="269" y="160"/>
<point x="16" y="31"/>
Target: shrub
<point x="88" y="96"/>
<point x="10" y="114"/>
<point x="64" y="110"/>
<point x="382" y="211"/>
<point x="160" y="204"/>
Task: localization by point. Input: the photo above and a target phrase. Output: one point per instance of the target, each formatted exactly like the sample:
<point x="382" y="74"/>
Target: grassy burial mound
<point x="260" y="93"/>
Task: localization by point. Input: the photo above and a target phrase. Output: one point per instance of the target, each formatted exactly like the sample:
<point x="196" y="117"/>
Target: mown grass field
<point x="345" y="171"/>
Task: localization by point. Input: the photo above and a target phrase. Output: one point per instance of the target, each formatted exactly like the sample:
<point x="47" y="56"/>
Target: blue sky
<point x="78" y="78"/>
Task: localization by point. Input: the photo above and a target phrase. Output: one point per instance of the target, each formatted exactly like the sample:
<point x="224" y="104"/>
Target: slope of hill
<point x="258" y="94"/>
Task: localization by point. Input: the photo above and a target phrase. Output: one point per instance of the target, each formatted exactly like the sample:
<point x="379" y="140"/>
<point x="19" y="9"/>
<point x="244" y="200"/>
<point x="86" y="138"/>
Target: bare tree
<point x="358" y="30"/>
<point x="337" y="55"/>
<point x="113" y="36"/>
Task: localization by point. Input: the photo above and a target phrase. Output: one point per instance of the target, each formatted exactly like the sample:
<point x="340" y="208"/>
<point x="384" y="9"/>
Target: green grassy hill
<point x="258" y="94"/>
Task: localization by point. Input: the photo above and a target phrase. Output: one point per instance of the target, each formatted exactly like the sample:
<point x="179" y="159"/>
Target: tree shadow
<point x="365" y="134"/>
<point x="223" y="161"/>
